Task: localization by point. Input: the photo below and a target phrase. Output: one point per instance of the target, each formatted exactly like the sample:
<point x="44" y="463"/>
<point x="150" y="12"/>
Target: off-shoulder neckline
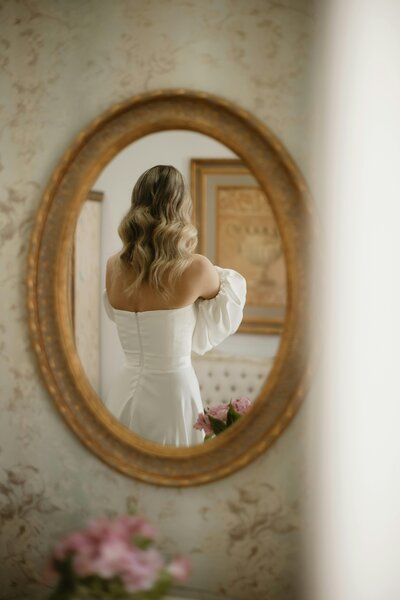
<point x="144" y="312"/>
<point x="169" y="310"/>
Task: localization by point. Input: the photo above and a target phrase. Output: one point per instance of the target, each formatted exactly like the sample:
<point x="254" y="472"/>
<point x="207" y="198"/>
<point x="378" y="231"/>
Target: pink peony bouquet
<point x="216" y="419"/>
<point x="113" y="558"/>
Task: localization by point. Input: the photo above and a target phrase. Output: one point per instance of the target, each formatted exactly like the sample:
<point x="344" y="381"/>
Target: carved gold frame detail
<point x="47" y="280"/>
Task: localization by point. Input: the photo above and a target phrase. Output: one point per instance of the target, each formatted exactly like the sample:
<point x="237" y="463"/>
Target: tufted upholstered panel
<point x="224" y="377"/>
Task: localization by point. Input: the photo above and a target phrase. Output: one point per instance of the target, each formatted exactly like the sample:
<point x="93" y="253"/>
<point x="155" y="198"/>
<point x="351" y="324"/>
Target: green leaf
<point x="217" y="425"/>
<point x="66" y="585"/>
<point x="142" y="542"/>
<point x="232" y="415"/>
<point x="161" y="587"/>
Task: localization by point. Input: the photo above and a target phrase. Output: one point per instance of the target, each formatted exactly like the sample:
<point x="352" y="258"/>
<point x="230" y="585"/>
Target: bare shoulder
<point x="110" y="268"/>
<point x="113" y="258"/>
<point x="204" y="276"/>
<point x="111" y="263"/>
<point x="201" y="264"/>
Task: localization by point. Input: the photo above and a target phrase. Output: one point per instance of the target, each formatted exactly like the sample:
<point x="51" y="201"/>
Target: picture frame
<point x="84" y="268"/>
<point x="237" y="230"/>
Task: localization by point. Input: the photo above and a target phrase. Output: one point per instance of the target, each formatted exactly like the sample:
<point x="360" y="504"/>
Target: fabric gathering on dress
<point x="156" y="394"/>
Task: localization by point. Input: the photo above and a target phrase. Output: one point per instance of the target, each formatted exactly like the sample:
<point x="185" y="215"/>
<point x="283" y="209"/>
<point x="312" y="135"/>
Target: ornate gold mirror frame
<point x="49" y="319"/>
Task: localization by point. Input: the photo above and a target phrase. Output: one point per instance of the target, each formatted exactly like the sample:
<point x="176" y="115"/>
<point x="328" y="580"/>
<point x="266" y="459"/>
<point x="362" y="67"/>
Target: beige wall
<point x="62" y="63"/>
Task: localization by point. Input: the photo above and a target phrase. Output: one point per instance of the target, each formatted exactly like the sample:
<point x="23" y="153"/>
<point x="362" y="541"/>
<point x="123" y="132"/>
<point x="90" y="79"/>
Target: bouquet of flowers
<point x="216" y="419"/>
<point x="113" y="558"/>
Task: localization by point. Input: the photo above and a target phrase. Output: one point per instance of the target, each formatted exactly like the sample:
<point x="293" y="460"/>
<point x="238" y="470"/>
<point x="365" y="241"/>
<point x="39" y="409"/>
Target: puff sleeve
<point x="107" y="306"/>
<point x="221" y="316"/>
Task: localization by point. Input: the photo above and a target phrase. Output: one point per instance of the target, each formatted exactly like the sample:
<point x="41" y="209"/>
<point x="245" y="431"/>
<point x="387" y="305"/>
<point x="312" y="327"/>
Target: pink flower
<point x="109" y="548"/>
<point x="111" y="553"/>
<point x="141" y="569"/>
<point x="143" y="529"/>
<point x="75" y="542"/>
<point x="83" y="565"/>
<point x="219" y="411"/>
<point x="203" y="422"/>
<point x="179" y="569"/>
<point x="124" y="527"/>
<point x="241" y="405"/>
<point x="97" y="529"/>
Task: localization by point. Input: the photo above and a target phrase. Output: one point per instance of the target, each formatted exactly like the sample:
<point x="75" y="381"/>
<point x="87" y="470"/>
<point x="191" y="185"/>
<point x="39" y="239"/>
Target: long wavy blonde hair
<point x="157" y="234"/>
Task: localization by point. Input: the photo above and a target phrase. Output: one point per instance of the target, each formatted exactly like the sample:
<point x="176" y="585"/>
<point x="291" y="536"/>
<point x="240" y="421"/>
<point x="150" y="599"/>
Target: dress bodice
<point x="158" y="339"/>
<point x="165" y="338"/>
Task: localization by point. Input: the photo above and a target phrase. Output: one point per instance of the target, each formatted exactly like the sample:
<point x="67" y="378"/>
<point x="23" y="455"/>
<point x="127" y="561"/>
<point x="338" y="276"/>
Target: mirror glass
<point x="237" y="230"/>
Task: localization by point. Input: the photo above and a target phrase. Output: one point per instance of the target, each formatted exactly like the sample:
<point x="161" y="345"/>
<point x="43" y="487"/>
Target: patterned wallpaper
<point x="62" y="63"/>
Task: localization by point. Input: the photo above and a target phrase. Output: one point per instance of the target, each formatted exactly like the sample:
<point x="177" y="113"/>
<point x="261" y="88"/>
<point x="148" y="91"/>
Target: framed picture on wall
<point x="237" y="230"/>
<point x="85" y="285"/>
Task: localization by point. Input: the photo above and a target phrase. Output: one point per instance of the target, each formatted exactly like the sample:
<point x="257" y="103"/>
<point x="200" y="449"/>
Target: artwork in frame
<point x="237" y="229"/>
<point x="84" y="285"/>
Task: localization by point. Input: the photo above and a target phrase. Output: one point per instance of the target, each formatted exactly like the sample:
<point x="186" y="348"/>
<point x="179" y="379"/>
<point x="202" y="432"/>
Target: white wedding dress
<point x="157" y="394"/>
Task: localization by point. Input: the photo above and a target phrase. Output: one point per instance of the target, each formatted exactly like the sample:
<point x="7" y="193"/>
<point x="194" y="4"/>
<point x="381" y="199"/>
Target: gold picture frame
<point x="85" y="284"/>
<point x="93" y="196"/>
<point x="237" y="229"/>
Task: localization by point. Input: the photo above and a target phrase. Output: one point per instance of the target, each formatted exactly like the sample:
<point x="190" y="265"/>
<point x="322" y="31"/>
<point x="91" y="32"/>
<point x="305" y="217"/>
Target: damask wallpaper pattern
<point x="62" y="63"/>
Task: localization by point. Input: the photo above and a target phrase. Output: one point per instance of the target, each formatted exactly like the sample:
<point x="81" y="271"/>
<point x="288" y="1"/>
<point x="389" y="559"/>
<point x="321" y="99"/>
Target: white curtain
<point x="354" y="423"/>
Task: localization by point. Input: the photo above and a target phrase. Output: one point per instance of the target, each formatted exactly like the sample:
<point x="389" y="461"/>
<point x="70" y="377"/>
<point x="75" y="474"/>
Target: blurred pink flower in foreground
<point x="121" y="548"/>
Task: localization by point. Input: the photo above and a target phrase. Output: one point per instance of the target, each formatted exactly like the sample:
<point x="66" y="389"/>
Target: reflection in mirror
<point x="85" y="281"/>
<point x="237" y="231"/>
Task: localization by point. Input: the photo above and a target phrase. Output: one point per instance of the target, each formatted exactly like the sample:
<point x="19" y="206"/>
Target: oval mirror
<point x="252" y="214"/>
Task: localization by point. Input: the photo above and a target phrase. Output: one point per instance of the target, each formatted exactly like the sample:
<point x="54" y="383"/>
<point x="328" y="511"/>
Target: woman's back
<point x="199" y="280"/>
